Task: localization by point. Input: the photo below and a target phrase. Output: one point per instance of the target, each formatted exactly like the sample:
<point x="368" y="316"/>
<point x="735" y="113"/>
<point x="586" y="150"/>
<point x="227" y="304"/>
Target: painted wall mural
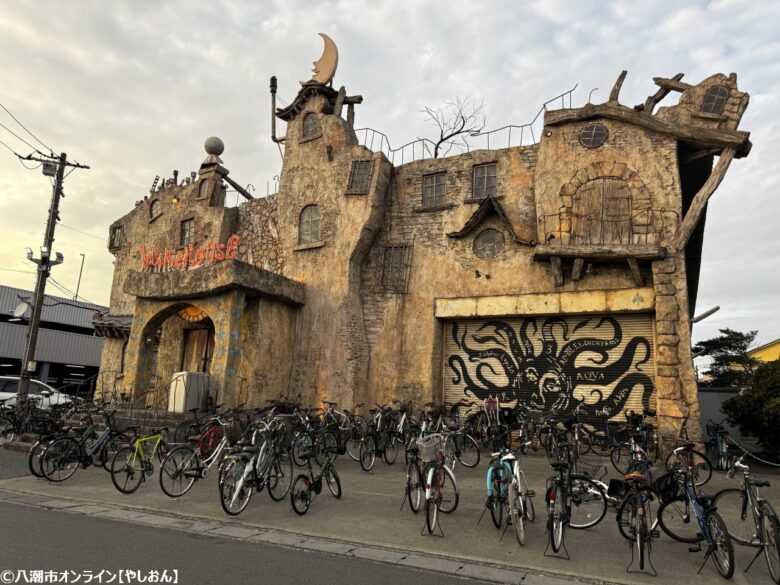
<point x="554" y="364"/>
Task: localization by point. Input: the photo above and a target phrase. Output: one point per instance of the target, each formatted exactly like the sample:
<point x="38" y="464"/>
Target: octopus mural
<point x="543" y="372"/>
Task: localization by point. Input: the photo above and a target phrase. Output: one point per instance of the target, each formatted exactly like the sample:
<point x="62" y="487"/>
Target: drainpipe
<point x="273" y="111"/>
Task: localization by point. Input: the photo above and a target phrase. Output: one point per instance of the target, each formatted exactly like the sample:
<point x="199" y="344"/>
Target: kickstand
<point x="440" y="533"/>
<point x="483" y="512"/>
<point x="403" y="502"/>
<point x="758" y="554"/>
<point x="563" y="553"/>
<point x="652" y="572"/>
<point x="707" y="554"/>
<point x="506" y="527"/>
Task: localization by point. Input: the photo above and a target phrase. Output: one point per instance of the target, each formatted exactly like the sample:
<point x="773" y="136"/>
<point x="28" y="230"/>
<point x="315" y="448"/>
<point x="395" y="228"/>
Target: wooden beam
<point x="653" y="100"/>
<point x="238" y="187"/>
<point x="636" y="274"/>
<point x="613" y="95"/>
<point x="699" y="202"/>
<point x="342" y="95"/>
<point x="714" y="137"/>
<point x="557" y="270"/>
<point x="576" y="269"/>
<point x="671" y="84"/>
<point x="591" y="252"/>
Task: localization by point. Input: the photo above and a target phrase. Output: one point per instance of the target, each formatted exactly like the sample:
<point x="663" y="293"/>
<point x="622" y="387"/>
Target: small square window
<point x="187" y="232"/>
<point x="115" y="239"/>
<point x="360" y="176"/>
<point x="433" y="189"/>
<point x="484" y="181"/>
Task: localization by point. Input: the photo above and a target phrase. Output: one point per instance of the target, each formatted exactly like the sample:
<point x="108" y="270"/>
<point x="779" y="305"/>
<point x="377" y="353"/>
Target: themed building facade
<point x="553" y="274"/>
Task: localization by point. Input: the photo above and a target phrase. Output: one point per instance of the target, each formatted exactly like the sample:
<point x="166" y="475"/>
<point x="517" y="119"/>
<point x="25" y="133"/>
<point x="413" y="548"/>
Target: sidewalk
<point x="368" y="517"/>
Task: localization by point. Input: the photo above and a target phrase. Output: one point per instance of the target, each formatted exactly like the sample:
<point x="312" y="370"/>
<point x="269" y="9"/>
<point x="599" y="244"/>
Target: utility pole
<point x="45" y="263"/>
<point x="78" y="284"/>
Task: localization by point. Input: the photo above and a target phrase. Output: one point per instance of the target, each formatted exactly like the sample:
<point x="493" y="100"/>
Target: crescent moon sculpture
<point x="325" y="67"/>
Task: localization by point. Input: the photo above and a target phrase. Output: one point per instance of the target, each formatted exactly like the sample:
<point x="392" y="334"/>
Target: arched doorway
<point x="601" y="212"/>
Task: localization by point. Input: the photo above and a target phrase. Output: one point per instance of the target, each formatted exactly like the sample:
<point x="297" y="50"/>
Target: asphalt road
<point x="12" y="464"/>
<point x="51" y="540"/>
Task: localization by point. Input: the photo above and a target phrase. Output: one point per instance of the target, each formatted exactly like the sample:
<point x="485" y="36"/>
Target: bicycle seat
<point x="196" y="409"/>
<point x="158" y="431"/>
<point x="760" y="482"/>
<point x="687" y="446"/>
<point x="250" y="449"/>
<point x="635" y="476"/>
<point x="131" y="427"/>
<point x="559" y="466"/>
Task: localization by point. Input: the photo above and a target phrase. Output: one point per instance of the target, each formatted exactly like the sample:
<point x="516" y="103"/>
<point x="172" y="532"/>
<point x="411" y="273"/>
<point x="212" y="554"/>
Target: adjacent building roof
<point x="55" y="309"/>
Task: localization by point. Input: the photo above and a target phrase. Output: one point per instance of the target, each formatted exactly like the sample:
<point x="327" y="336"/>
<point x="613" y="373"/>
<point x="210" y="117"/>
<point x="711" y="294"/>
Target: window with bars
<point x="360" y="176"/>
<point x="715" y="99"/>
<point x="484" y="181"/>
<point x="115" y="239"/>
<point x="433" y="189"/>
<point x="309" y="226"/>
<point x="311" y="126"/>
<point x="187" y="232"/>
<point x="155" y="209"/>
<point x="396" y="263"/>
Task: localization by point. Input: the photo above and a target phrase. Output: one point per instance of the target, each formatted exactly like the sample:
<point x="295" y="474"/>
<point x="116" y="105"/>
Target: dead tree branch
<point x="455" y="120"/>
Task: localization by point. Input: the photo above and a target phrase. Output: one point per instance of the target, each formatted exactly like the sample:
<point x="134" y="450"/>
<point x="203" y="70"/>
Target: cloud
<point x="133" y="89"/>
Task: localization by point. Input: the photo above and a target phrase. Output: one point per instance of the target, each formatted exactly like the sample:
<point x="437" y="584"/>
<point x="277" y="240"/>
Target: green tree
<point x="756" y="410"/>
<point x="730" y="365"/>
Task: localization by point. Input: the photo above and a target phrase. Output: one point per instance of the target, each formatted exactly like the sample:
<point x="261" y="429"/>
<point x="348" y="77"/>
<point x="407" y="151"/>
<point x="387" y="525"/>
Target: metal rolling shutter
<point x="492" y="356"/>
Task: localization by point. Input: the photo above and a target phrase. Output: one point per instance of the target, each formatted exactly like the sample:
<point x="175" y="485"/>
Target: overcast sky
<point x="134" y="88"/>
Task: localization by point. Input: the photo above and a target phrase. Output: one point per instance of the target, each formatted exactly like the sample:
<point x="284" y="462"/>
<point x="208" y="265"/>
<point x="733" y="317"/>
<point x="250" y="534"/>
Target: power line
<point x="83" y="232"/>
<point x="19" y="137"/>
<point x="9" y="148"/>
<point x="67" y="291"/>
<point x="19" y="271"/>
<point x="25" y="129"/>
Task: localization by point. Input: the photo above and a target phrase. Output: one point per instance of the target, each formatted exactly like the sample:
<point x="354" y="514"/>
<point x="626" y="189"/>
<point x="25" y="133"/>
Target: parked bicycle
<point x="687" y="456"/>
<point x="134" y="463"/>
<point x="306" y="487"/>
<point x="719" y="441"/>
<point x="750" y="519"/>
<point x="379" y="441"/>
<point x="693" y="518"/>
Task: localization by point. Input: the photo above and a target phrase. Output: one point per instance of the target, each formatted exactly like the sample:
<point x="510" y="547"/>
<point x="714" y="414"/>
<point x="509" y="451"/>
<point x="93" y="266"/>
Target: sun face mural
<point x="554" y="364"/>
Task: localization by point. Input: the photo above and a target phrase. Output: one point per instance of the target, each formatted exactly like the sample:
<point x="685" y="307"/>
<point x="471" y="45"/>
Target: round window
<point x="593" y="135"/>
<point x="488" y="244"/>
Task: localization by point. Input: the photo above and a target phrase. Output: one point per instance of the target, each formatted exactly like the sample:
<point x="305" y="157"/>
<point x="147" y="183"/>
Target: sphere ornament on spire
<point x="214" y="147"/>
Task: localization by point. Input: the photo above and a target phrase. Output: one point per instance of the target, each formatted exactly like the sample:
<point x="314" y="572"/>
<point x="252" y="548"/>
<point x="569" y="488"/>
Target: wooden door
<point x="198" y="350"/>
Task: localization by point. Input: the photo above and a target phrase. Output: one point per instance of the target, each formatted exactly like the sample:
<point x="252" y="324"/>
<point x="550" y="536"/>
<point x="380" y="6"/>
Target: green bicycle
<point x="133" y="464"/>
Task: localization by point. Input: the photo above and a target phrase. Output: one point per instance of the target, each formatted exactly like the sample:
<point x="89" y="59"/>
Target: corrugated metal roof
<point x="60" y="347"/>
<point x="76" y="313"/>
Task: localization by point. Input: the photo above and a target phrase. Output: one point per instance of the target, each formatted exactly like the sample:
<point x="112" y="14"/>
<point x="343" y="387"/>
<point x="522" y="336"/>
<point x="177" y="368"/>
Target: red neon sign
<point x="209" y="253"/>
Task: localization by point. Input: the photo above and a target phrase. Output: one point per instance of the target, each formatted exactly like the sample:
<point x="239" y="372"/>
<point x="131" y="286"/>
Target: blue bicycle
<point x="693" y="518"/>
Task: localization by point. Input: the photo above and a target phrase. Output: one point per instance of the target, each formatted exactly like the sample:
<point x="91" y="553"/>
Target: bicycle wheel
<point x="127" y="470"/>
<point x="555" y="516"/>
<point x="467" y="450"/>
<point x="325" y="447"/>
<point x="770" y="527"/>
<point x="300" y="495"/>
<point x="640" y="530"/>
<point x="61" y="459"/>
<point x="367" y="453"/>
<point x="333" y="481"/>
<point x="517" y="513"/>
<point x="7" y="428"/>
<point x="178" y="471"/>
<point x="390" y="452"/>
<point x="733" y="507"/>
<point x="34" y="457"/>
<point x="723" y="549"/>
<point x="677" y="519"/>
<point x="431" y="514"/>
<point x="583" y="444"/>
<point x="184" y="430"/>
<point x="280" y="477"/>
<point x="495" y="504"/>
<point x="528" y="501"/>
<point x="414" y="488"/>
<point x="620" y="457"/>
<point x="588" y="502"/>
<point x="352" y="443"/>
<point x="303" y="445"/>
<point x="110" y="447"/>
<point x="450" y="495"/>
<point x="701" y="467"/>
<point x="234" y="493"/>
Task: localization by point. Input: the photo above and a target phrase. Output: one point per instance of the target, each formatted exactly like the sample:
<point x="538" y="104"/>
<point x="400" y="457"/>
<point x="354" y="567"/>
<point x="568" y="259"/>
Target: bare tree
<point x="455" y="120"/>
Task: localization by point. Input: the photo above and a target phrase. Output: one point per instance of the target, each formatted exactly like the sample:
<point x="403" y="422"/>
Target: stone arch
<point x="224" y="309"/>
<point x="622" y="217"/>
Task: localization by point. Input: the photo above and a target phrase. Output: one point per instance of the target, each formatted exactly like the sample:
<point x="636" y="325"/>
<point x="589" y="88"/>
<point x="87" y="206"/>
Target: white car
<point x="48" y="396"/>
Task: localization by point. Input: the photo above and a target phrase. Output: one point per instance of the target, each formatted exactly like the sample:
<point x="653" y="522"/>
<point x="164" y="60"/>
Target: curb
<point x="492" y="572"/>
<point x="19" y="446"/>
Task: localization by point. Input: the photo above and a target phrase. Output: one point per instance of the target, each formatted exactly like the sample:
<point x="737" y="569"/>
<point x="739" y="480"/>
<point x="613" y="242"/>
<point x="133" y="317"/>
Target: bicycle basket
<point x="668" y="487"/>
<point x="711" y="428"/>
<point x="233" y="431"/>
<point x="121" y="423"/>
<point x="430" y="447"/>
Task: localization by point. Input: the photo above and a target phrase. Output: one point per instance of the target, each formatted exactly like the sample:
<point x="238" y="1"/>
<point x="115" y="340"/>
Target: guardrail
<point x="646" y="227"/>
